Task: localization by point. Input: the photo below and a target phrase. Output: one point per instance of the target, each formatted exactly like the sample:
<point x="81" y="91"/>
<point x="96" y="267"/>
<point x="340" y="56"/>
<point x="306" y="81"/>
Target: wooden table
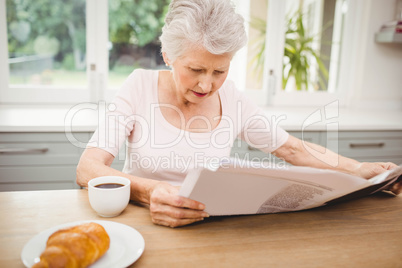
<point x="359" y="233"/>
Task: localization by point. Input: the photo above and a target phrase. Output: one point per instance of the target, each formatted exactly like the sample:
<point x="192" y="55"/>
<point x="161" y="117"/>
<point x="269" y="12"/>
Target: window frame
<point x="4" y="72"/>
<point x="349" y="70"/>
<point x="96" y="65"/>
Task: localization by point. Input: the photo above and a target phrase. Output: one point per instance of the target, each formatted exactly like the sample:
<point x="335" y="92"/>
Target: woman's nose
<point x="205" y="84"/>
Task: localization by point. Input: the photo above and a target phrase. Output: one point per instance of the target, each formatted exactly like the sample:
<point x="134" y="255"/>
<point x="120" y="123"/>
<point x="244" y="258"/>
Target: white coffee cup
<point x="109" y="202"/>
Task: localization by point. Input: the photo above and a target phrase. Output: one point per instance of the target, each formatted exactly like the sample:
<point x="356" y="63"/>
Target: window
<point x="294" y="55"/>
<point x="46" y="43"/>
<point x="82" y="50"/>
<point x="46" y="54"/>
<point x="75" y="51"/>
<point x="134" y="30"/>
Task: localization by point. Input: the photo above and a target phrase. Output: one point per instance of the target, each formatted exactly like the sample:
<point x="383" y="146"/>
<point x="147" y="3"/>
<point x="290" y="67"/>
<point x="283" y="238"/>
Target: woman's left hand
<point x="369" y="170"/>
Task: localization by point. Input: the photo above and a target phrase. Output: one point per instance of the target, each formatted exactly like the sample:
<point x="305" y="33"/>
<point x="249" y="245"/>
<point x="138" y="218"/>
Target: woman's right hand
<point x="169" y="209"/>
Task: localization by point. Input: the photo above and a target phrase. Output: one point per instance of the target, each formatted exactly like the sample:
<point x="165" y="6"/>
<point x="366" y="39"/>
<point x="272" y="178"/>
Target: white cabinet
<point x="38" y="161"/>
<point x="41" y="161"/>
<point x="242" y="151"/>
<point x="367" y="146"/>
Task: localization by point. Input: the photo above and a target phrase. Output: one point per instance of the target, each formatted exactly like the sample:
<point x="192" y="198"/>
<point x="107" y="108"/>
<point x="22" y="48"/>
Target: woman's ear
<point x="165" y="58"/>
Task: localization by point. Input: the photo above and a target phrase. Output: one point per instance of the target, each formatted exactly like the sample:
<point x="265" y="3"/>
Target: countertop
<point x="84" y="118"/>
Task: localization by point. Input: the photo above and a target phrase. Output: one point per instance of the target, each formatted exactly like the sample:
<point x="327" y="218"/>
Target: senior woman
<point x="174" y="120"/>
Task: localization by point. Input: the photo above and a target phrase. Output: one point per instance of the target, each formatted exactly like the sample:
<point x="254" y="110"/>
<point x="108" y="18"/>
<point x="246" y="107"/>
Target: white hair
<point x="210" y="24"/>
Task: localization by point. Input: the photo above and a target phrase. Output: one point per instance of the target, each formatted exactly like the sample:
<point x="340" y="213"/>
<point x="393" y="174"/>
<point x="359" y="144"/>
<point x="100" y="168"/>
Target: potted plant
<point x="299" y="53"/>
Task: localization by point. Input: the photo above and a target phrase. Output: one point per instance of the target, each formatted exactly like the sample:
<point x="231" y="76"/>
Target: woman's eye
<point x="219" y="72"/>
<point x="196" y="70"/>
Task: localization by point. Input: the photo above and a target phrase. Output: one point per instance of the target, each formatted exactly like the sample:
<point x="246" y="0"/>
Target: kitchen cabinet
<point x="40" y="161"/>
<point x="364" y="146"/>
<point x="367" y="146"/>
<point x="242" y="151"/>
<point x="48" y="160"/>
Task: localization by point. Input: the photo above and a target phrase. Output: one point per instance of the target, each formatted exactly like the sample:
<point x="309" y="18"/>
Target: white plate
<point x="126" y="245"/>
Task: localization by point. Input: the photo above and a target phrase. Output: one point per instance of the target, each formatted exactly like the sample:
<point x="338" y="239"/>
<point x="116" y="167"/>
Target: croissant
<point x="75" y="247"/>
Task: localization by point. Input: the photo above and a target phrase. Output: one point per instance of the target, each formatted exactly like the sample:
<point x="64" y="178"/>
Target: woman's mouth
<point x="200" y="94"/>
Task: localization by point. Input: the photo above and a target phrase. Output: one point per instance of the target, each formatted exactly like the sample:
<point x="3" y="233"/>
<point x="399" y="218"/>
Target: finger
<point x="160" y="211"/>
<point x="184" y="202"/>
<point x="177" y="201"/>
<point x="396" y="188"/>
<point x="170" y="222"/>
<point x="184" y="213"/>
<point x="388" y="165"/>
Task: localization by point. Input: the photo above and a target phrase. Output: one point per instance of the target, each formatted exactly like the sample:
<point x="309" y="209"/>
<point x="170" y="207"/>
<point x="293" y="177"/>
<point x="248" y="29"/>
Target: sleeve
<point x="116" y="120"/>
<point x="259" y="129"/>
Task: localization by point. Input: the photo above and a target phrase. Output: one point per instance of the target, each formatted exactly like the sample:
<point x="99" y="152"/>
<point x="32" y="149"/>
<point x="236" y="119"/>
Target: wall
<point x="381" y="74"/>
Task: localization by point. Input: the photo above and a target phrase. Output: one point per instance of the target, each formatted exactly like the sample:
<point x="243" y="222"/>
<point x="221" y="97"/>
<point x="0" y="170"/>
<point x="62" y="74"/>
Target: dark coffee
<point x="109" y="185"/>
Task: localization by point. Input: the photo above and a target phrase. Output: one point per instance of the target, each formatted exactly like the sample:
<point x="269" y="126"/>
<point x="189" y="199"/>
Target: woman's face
<point x="198" y="74"/>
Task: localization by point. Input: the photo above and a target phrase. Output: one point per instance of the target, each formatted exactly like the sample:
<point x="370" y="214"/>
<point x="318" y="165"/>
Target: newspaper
<point x="253" y="188"/>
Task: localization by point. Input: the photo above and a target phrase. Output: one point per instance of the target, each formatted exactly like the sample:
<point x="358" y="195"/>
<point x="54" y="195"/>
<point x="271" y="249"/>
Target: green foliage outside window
<point x="139" y="24"/>
<point x="299" y="53"/>
<point x="38" y="27"/>
<point x="47" y="28"/>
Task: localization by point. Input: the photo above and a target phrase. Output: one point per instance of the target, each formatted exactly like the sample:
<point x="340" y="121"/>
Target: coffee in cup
<point x="109" y="195"/>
